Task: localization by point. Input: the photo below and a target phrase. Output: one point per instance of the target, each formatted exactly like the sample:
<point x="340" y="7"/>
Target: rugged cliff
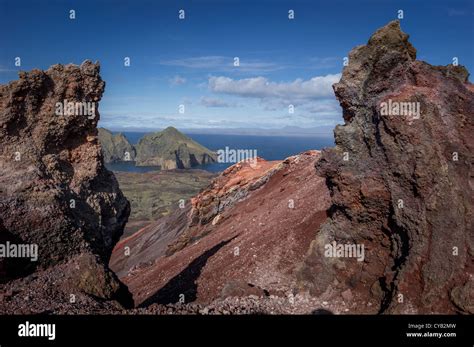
<point x="401" y="183"/>
<point x="115" y="147"/>
<point x="171" y="149"/>
<point x="56" y="193"/>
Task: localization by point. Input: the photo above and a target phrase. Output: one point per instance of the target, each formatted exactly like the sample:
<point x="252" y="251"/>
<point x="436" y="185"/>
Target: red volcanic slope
<point x="255" y="239"/>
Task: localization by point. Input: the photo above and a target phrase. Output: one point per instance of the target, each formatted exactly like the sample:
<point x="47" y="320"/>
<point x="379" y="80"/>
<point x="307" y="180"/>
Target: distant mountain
<point x="115" y="147"/>
<point x="171" y="149"/>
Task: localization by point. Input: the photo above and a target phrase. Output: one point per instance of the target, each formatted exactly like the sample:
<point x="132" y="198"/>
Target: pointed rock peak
<point x="387" y="48"/>
<point x="101" y="129"/>
<point x="391" y="36"/>
<point x="171" y="130"/>
<point x="89" y="68"/>
<point x="374" y="67"/>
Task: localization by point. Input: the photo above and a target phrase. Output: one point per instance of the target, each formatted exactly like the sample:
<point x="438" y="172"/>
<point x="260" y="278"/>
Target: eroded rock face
<point x="54" y="189"/>
<point x="401" y="184"/>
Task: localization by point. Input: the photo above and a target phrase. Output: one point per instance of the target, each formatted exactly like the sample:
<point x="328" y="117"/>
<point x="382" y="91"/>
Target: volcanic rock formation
<point x="55" y="191"/>
<point x="401" y="184"/>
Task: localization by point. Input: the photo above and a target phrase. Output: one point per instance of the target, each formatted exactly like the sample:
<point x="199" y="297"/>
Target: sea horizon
<point x="267" y="147"/>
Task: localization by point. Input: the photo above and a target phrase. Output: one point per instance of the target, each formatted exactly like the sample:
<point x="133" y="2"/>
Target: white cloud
<point x="329" y="106"/>
<point x="177" y="80"/>
<point x="215" y="102"/>
<point x="297" y="91"/>
<point x="325" y="62"/>
<point x="4" y="69"/>
<point x="221" y="63"/>
<point x="313" y="98"/>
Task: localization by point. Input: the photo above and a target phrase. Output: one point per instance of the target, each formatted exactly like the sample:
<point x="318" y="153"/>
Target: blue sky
<point x="190" y="62"/>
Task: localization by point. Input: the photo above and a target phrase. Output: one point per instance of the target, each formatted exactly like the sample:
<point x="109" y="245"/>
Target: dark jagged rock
<point x="401" y="185"/>
<point x="115" y="148"/>
<point x="54" y="189"/>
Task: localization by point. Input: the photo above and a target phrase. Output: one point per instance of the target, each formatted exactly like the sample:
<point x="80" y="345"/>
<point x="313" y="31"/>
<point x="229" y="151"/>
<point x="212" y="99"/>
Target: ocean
<point x="267" y="147"/>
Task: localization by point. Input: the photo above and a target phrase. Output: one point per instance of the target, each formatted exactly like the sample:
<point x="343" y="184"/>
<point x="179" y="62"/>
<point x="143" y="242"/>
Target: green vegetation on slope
<point x="115" y="147"/>
<point x="171" y="149"/>
<point x="155" y="194"/>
